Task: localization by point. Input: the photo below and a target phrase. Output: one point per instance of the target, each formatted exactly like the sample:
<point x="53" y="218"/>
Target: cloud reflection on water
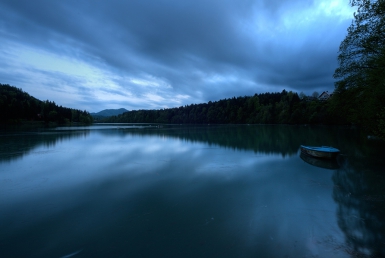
<point x="137" y="187"/>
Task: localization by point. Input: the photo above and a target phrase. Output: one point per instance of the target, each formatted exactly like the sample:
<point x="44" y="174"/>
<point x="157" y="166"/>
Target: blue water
<point x="188" y="191"/>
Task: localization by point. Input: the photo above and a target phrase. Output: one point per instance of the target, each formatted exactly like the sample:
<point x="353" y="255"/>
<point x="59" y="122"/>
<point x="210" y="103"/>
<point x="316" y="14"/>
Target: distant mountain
<point x="109" y="112"/>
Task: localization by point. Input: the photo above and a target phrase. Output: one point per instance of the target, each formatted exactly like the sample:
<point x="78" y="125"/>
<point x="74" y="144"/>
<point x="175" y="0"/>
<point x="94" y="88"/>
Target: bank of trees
<point x="266" y="108"/>
<point x="360" y="86"/>
<point x="17" y="106"/>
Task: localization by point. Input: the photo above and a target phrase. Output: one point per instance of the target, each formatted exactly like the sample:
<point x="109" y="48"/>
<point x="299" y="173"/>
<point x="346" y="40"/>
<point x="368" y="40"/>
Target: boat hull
<point x="320" y="152"/>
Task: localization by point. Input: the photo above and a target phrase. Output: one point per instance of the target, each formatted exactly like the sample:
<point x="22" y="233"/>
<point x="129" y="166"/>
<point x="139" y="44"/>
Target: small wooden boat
<point x="323" y="152"/>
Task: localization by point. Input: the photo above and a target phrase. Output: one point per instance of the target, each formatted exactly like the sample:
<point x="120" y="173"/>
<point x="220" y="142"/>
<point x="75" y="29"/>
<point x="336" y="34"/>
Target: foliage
<point x="17" y="105"/>
<point x="360" y="88"/>
<point x="381" y="124"/>
<point x="266" y="108"/>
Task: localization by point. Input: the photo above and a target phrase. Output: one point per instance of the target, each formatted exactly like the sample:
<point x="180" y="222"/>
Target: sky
<point x="153" y="54"/>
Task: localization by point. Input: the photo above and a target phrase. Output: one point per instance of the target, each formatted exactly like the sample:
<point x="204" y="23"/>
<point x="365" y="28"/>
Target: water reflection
<point x="16" y="145"/>
<point x="283" y="140"/>
<point x="129" y="200"/>
<point x="322" y="163"/>
<point x="204" y="191"/>
<point x="360" y="193"/>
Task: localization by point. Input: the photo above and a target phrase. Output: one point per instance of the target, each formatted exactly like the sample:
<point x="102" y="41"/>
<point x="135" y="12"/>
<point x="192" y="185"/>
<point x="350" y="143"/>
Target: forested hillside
<point x="17" y="106"/>
<point x="107" y="113"/>
<point x="267" y="108"/>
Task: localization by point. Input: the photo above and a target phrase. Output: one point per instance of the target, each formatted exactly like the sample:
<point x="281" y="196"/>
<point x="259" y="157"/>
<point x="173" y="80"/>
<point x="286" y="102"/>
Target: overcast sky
<point x="151" y="54"/>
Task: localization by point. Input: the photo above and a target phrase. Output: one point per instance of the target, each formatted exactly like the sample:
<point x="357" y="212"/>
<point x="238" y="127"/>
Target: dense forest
<point x="360" y="85"/>
<point x="342" y="108"/>
<point x="267" y="108"/>
<point x="17" y="106"/>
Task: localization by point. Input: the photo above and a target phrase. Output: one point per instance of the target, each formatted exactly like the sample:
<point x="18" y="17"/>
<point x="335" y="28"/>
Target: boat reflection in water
<point x="323" y="152"/>
<point x="322" y="163"/>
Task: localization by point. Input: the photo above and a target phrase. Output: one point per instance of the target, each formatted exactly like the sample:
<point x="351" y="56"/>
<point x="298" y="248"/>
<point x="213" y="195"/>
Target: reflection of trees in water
<point x="269" y="139"/>
<point x="360" y="194"/>
<point x="16" y="145"/>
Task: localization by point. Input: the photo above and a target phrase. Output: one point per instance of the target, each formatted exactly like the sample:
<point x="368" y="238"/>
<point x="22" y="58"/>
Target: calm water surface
<point x="189" y="191"/>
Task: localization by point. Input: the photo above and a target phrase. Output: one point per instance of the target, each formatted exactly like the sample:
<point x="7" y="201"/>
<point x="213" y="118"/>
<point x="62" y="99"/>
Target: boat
<point x="323" y="152"/>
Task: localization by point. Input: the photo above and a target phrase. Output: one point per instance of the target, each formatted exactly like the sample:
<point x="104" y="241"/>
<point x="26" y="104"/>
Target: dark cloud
<point x="200" y="50"/>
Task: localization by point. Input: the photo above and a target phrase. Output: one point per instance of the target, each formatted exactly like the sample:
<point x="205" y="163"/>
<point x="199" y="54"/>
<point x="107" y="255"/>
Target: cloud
<point x="144" y="54"/>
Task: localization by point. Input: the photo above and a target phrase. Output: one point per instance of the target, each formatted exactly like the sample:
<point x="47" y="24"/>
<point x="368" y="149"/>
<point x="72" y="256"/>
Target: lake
<point x="146" y="190"/>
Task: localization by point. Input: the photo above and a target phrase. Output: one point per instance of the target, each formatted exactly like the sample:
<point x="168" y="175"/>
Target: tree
<point x="361" y="58"/>
<point x="315" y="95"/>
<point x="362" y="53"/>
<point x="302" y="95"/>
